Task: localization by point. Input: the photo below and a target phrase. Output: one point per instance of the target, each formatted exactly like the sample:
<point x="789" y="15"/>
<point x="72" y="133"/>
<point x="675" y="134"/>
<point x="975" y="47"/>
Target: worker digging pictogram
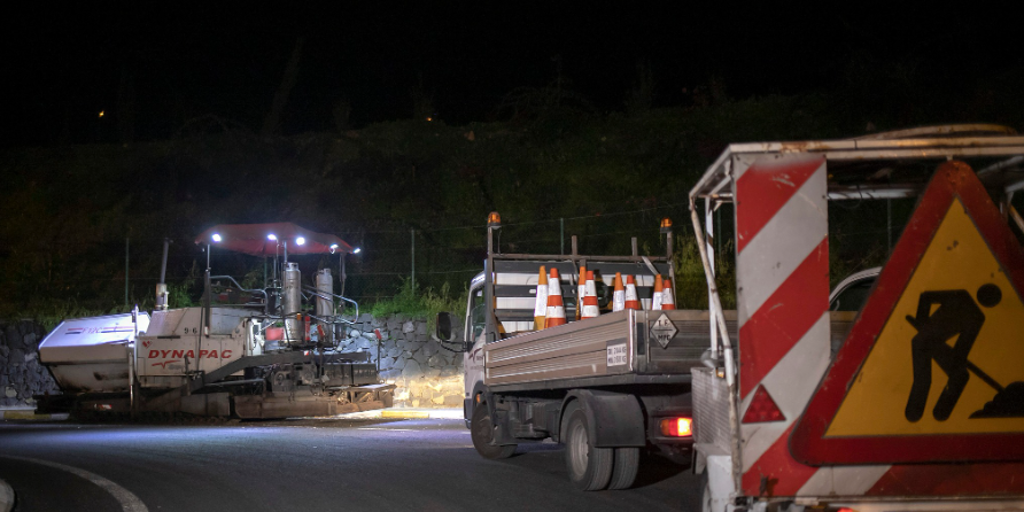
<point x="937" y="351"/>
<point x="956" y="316"/>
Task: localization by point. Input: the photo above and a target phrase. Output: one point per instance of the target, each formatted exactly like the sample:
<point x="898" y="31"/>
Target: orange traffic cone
<point x="632" y="301"/>
<point x="656" y="298"/>
<point x="668" y="300"/>
<point x="580" y="290"/>
<point x="540" y="307"/>
<point x="590" y="307"/>
<point x="556" y="310"/>
<point x="619" y="295"/>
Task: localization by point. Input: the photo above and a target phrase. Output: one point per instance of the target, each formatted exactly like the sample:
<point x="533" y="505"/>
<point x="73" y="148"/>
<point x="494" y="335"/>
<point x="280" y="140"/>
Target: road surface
<point x="318" y="465"/>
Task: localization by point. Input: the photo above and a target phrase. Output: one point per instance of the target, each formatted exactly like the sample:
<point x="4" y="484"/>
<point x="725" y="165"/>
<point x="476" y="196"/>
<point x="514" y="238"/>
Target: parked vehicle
<point x="267" y="352"/>
<point x="607" y="386"/>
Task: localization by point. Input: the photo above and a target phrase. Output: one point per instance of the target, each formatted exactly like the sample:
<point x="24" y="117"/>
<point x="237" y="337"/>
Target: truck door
<point x="473" y="361"/>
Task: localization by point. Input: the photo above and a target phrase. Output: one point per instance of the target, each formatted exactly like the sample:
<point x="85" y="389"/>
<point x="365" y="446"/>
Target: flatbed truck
<point x="608" y="387"/>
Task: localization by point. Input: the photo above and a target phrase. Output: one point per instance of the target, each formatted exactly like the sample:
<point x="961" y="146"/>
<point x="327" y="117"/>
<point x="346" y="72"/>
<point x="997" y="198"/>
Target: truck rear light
<point x="677" y="427"/>
<point x="762" y="408"/>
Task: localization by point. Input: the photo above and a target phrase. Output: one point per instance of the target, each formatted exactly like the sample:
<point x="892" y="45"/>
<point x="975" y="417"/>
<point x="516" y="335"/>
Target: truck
<point x="905" y="392"/>
<point x="262" y="352"/>
<point x="608" y="387"/>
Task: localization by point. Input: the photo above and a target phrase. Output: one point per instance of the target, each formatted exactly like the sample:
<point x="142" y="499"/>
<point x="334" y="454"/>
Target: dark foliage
<point x="66" y="212"/>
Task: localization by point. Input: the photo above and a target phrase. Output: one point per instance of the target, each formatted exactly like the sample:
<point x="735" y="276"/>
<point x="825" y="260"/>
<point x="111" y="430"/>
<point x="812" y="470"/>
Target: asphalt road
<point x="320" y="465"/>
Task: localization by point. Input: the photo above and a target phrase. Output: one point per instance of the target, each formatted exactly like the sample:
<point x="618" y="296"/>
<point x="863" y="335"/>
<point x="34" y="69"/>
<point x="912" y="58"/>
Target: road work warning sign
<point x="933" y="370"/>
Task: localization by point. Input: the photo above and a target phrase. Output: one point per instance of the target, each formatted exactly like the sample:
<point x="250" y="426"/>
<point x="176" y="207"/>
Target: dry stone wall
<point x="21" y="375"/>
<point x="425" y="372"/>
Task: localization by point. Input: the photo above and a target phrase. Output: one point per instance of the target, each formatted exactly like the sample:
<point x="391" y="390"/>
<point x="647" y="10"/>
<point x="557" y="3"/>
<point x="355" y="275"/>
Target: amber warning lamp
<point x="494" y="220"/>
<point x="666" y="225"/>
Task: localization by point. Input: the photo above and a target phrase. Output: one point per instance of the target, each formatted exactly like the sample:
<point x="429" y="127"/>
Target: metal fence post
<point x="561" y="237"/>
<point x="126" y="272"/>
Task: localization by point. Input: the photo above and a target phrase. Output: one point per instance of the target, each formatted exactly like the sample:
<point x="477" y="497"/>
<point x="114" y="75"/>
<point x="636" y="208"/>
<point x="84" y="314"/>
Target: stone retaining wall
<point x="21" y="375"/>
<point x="427" y="375"/>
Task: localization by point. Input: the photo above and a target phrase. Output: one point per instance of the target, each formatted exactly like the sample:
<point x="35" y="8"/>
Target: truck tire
<point x="590" y="468"/>
<point x="627" y="464"/>
<point x="482" y="432"/>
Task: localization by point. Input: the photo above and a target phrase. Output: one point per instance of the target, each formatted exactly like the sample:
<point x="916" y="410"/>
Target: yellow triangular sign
<point x="933" y="368"/>
<point x="982" y="345"/>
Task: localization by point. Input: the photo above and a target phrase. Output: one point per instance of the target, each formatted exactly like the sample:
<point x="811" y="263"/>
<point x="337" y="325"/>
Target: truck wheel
<point x="590" y="468"/>
<point x="482" y="432"/>
<point x="627" y="464"/>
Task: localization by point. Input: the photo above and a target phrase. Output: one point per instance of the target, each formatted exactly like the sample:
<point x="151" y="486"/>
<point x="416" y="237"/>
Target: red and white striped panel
<point x="783" y="284"/>
<point x="782" y="293"/>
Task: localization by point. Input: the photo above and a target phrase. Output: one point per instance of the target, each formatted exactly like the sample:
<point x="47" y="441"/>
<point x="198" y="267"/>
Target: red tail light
<point x="677" y="427"/>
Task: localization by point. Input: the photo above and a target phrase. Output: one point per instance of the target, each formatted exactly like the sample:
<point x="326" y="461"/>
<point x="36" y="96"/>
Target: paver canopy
<point x="255" y="239"/>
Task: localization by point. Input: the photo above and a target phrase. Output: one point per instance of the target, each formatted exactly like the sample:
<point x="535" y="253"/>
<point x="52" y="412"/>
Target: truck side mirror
<point x="444" y="326"/>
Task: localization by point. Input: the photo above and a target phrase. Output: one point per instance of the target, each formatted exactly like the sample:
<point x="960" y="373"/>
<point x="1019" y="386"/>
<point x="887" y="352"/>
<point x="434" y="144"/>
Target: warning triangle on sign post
<point x="933" y="368"/>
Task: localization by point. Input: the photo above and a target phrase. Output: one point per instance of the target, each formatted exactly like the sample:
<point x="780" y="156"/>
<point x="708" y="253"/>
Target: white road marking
<point x="388" y="429"/>
<point x="6" y="497"/>
<point x="129" y="502"/>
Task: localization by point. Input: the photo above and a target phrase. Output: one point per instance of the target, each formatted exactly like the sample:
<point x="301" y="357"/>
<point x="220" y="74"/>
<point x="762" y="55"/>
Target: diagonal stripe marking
<point x="808" y="358"/>
<point x="842" y="480"/>
<point x="782" y="475"/>
<point x="784" y="318"/>
<point x="762" y="190"/>
<point x="782" y="245"/>
<point x="129" y="502"/>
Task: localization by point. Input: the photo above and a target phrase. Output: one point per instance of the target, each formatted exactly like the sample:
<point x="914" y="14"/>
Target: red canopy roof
<point x="253" y="239"/>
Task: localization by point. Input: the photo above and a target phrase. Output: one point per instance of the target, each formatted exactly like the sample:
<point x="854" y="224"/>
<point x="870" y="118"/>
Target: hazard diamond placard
<point x="933" y="369"/>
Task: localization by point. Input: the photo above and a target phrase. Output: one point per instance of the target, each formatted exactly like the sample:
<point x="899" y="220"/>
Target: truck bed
<point x="613" y="349"/>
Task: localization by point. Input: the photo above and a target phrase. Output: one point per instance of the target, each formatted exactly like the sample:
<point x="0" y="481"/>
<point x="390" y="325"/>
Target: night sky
<point x="63" y="66"/>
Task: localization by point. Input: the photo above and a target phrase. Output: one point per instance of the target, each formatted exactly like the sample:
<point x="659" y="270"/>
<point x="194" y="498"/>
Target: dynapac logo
<point x="191" y="354"/>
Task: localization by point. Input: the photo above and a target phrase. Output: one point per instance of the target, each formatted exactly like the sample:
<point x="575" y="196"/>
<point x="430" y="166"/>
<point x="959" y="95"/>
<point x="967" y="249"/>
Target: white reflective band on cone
<point x="619" y="300"/>
<point x="590" y="307"/>
<point x="541" y="307"/>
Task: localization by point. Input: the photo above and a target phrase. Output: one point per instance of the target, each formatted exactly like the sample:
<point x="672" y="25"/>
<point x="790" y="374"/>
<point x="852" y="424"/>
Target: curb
<point x="6" y="497"/>
<point x="407" y="414"/>
<point x="417" y="415"/>
<point x="421" y="413"/>
<point x="29" y="414"/>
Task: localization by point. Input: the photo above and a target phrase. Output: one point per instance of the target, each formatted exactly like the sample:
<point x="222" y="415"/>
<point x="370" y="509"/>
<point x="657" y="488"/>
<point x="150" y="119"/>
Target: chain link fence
<point x="449" y="257"/>
<point x="862" y="236"/>
<point x="394" y="257"/>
